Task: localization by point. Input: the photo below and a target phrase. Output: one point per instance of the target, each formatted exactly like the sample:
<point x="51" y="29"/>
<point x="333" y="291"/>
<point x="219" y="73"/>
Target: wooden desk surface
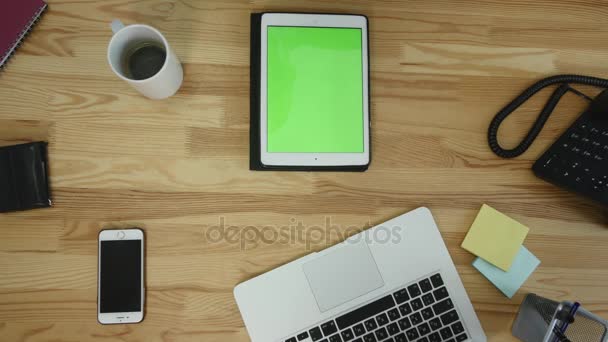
<point x="176" y="168"/>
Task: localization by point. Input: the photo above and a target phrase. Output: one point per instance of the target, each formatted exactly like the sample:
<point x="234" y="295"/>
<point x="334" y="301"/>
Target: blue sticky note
<point x="509" y="282"/>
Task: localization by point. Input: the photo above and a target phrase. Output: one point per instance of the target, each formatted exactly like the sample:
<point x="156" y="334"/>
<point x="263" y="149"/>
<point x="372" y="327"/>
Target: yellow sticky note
<point x="495" y="237"/>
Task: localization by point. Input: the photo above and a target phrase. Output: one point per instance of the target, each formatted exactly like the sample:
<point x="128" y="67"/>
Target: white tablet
<point x="314" y="90"/>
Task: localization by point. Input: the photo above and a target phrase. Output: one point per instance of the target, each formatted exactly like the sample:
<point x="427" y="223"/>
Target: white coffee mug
<point x="166" y="81"/>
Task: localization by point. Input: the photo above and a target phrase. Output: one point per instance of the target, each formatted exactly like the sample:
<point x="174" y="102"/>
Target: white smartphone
<point x="120" y="279"/>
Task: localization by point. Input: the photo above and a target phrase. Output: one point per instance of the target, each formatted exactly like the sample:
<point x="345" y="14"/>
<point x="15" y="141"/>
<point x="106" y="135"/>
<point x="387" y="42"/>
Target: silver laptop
<point x="394" y="282"/>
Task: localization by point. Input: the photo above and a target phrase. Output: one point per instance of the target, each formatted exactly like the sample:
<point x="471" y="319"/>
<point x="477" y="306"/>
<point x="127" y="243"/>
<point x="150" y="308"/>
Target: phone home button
<point x="120" y="235"/>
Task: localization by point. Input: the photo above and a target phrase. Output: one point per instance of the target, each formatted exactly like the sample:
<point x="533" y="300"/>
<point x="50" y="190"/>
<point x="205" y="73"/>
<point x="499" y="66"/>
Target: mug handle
<point x="116" y="25"/>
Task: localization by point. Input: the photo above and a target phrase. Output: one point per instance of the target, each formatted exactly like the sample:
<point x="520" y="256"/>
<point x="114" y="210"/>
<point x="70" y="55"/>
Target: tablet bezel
<point x="313" y="159"/>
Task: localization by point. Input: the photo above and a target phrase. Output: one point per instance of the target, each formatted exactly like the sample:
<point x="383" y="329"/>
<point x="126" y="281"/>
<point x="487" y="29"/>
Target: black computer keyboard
<point x="421" y="311"/>
<point x="578" y="160"/>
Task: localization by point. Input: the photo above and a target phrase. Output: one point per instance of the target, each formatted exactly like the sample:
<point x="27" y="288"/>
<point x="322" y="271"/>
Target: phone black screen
<point x="120" y="283"/>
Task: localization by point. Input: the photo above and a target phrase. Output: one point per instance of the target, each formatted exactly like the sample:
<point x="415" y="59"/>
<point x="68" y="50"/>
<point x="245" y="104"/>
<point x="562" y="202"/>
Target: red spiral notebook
<point x="17" y="17"/>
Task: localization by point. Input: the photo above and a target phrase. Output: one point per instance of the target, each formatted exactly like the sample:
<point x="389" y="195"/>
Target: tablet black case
<point x="255" y="162"/>
<point x="23" y="177"/>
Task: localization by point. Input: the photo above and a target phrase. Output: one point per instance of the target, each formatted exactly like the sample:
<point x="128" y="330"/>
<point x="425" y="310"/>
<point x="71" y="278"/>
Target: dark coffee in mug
<point x="143" y="59"/>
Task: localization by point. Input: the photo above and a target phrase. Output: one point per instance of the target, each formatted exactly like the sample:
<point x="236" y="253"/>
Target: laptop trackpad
<point x="343" y="275"/>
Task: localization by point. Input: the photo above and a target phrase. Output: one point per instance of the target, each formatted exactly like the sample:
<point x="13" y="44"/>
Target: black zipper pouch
<point x="23" y="177"/>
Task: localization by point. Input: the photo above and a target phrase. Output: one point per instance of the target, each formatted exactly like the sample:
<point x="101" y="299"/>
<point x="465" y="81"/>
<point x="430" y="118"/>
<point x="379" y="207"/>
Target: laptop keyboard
<point x="421" y="311"/>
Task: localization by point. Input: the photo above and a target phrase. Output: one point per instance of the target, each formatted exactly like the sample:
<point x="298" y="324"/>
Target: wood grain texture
<point x="177" y="168"/>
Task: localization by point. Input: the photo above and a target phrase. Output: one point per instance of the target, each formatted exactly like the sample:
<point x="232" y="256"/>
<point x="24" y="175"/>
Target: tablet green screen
<point x="315" y="90"/>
